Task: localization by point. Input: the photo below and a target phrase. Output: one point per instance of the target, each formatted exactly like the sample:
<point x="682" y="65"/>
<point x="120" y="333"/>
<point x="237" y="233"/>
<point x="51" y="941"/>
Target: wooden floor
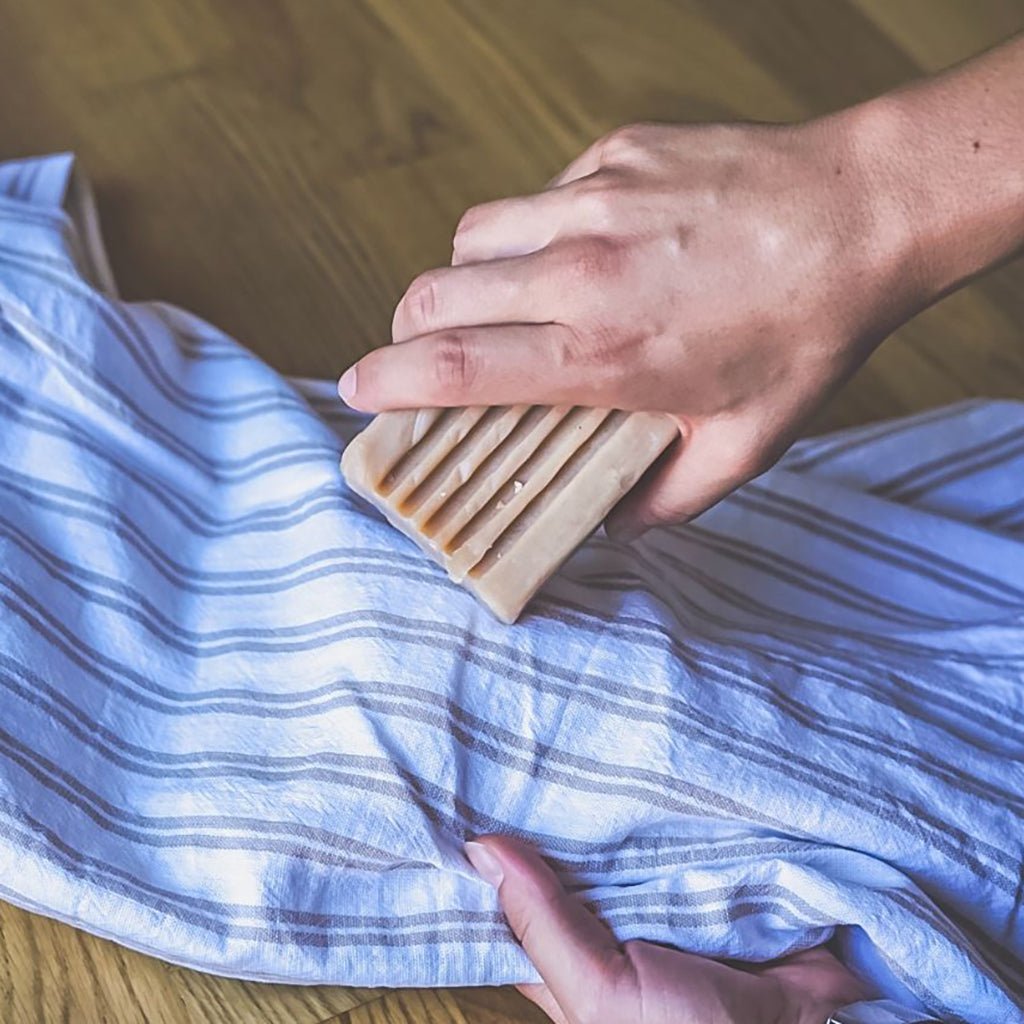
<point x="285" y="167"/>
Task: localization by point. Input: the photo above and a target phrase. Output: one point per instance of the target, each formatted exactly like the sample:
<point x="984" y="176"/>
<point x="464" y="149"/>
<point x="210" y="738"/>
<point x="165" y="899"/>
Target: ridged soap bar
<point x="502" y="495"/>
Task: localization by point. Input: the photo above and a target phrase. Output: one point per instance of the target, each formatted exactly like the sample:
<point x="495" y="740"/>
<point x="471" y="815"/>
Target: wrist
<point x="896" y="213"/>
<point x="945" y="185"/>
<point x="884" y="277"/>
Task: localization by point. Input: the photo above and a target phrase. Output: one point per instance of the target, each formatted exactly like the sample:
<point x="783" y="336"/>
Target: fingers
<point x="516" y="290"/>
<point x="624" y="147"/>
<point x="575" y="954"/>
<point x="708" y="464"/>
<point x="508" y="227"/>
<point x="526" y="224"/>
<point x="588" y="162"/>
<point x="597" y="206"/>
<point x="530" y="363"/>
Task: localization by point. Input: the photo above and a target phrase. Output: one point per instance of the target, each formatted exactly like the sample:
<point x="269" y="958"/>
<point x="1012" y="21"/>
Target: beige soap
<point x="501" y="496"/>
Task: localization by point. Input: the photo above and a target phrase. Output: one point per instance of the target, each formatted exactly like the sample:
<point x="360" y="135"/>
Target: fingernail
<point x="347" y="384"/>
<point x="487" y="866"/>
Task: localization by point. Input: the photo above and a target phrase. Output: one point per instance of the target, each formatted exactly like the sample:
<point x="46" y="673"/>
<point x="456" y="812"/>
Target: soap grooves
<point x="431" y="449"/>
<point x="463" y="449"/>
<point x="578" y="419"/>
<point x="501" y="496"/>
<point x="536" y="423"/>
<point x="589" y="449"/>
<point x="382" y="473"/>
<point x="393" y="475"/>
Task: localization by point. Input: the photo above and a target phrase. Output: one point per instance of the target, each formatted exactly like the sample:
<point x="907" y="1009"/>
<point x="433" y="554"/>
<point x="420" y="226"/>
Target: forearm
<point x="944" y="160"/>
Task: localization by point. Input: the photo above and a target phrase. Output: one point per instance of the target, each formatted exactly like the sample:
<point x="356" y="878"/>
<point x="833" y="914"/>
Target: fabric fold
<point x="245" y="726"/>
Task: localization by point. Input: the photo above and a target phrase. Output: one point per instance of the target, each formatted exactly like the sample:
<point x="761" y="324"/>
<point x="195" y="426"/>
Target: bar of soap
<point x="500" y="496"/>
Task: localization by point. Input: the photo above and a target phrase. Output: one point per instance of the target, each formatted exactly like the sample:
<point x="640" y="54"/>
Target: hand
<point x="588" y="978"/>
<point x="732" y="276"/>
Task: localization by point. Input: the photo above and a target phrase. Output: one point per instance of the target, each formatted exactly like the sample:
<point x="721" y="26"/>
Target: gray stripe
<point x="235" y="470"/>
<point x="549" y="670"/>
<point x="159" y="626"/>
<point x="844" y="788"/>
<point x="453" y="926"/>
<point x="343" y="851"/>
<point x="857" y="536"/>
<point x="135" y="342"/>
<point x="412" y="567"/>
<point x="766" y="614"/>
<point x="949" y="467"/>
<point x="887" y="430"/>
<point x="927" y="913"/>
<point x="442" y="806"/>
<point x="422" y="570"/>
<point x="398" y="792"/>
<point x="868" y="682"/>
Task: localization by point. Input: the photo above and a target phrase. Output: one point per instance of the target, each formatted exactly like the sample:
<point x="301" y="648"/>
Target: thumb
<point x="573" y="952"/>
<point x="707" y="465"/>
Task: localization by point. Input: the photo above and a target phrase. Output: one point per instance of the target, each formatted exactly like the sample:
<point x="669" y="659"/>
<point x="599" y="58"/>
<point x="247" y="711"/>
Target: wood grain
<point x="50" y="972"/>
<point x="285" y="167"/>
<point x="408" y="1007"/>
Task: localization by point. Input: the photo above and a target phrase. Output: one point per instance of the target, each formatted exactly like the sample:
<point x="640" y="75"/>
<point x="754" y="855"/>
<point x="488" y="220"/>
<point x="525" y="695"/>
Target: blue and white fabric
<point x="246" y="726"/>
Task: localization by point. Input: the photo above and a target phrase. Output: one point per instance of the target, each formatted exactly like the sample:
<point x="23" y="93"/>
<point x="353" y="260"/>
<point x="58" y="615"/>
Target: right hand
<point x="729" y="275"/>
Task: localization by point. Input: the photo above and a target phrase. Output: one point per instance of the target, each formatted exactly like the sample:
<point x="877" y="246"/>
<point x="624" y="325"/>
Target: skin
<point x="589" y="978"/>
<point x="732" y="276"/>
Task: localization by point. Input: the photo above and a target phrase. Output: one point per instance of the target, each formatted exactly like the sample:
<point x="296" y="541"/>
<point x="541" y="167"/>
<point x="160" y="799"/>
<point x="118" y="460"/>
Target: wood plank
<point x="407" y="1006"/>
<point x="50" y="972"/>
<point x="937" y="35"/>
<point x="497" y="1006"/>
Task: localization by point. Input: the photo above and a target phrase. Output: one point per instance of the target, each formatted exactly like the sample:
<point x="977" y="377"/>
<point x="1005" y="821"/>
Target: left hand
<point x="589" y="978"/>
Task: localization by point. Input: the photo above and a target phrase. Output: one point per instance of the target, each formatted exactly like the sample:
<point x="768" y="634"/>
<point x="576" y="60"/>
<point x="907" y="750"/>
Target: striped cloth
<point x="246" y="726"/>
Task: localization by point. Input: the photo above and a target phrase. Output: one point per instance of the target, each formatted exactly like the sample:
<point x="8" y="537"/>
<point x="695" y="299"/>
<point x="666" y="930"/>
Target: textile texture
<point x="246" y="726"/>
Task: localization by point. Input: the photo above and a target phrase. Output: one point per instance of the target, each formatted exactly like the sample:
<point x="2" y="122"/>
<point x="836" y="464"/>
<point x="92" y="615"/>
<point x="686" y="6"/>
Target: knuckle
<point x="420" y="306"/>
<point x="595" y="258"/>
<point x="596" y="1003"/>
<point x="624" y="145"/>
<point x="599" y="206"/>
<point x="569" y="351"/>
<point x="455" y="362"/>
